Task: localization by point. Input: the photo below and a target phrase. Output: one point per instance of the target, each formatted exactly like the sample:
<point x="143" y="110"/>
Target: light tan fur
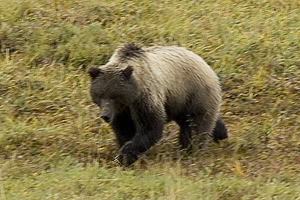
<point x="170" y="75"/>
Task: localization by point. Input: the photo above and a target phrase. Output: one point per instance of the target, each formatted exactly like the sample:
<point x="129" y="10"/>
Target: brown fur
<point x="155" y="85"/>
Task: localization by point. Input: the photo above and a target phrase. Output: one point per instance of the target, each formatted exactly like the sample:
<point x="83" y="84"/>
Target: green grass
<point x="54" y="146"/>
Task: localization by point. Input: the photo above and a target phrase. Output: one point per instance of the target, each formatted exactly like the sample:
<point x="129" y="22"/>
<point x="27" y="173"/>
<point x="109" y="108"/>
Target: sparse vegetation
<point x="54" y="146"/>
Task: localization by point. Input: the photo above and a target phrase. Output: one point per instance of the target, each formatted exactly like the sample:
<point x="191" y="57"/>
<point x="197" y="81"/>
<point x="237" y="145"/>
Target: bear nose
<point x="105" y="118"/>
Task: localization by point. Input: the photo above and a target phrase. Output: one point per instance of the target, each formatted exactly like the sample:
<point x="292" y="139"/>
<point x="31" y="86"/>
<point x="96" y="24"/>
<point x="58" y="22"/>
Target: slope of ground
<point x="54" y="146"/>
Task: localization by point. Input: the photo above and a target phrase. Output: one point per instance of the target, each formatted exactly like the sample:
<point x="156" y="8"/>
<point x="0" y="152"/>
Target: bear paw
<point x="126" y="155"/>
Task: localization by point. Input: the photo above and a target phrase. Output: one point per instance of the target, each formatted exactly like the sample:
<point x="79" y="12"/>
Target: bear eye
<point x="95" y="102"/>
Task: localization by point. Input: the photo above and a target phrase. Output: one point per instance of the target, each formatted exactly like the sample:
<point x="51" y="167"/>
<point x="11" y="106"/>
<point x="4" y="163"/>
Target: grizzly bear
<point x="140" y="89"/>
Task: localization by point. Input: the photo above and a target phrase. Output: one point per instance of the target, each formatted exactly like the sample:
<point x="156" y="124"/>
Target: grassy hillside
<point x="54" y="146"/>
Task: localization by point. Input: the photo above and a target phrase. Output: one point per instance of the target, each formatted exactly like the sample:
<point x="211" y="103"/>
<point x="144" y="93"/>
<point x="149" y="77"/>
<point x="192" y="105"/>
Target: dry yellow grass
<point x="54" y="146"/>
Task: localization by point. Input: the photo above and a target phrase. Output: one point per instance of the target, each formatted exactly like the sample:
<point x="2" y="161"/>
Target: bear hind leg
<point x="185" y="134"/>
<point x="203" y="126"/>
<point x="220" y="131"/>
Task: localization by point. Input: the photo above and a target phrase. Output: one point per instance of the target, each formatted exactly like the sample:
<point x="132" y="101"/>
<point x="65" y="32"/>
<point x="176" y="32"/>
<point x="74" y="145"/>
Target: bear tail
<point x="220" y="131"/>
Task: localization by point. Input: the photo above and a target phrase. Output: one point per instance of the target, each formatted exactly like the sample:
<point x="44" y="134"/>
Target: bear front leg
<point x="123" y="127"/>
<point x="140" y="143"/>
<point x="149" y="131"/>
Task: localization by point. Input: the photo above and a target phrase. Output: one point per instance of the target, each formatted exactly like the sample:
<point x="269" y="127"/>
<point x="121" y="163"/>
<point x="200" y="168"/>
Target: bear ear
<point x="127" y="72"/>
<point x="94" y="72"/>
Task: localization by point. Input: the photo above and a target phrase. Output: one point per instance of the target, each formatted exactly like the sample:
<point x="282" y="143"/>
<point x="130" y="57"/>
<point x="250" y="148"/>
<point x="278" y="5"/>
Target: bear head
<point x="112" y="87"/>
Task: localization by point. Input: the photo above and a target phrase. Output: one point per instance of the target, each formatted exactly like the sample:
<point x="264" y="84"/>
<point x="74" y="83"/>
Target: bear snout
<point x="105" y="118"/>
